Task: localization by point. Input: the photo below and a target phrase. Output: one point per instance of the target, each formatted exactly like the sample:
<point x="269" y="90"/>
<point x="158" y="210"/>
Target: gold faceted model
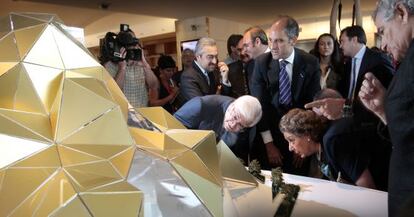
<point x="65" y="147"/>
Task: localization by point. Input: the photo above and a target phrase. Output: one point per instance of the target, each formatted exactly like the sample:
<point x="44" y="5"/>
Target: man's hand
<point x="273" y="154"/>
<point x="224" y="72"/>
<point x="331" y="108"/>
<point x="372" y="95"/>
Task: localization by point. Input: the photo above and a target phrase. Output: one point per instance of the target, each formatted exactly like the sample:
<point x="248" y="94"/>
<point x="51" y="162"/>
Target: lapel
<point x="203" y="79"/>
<point x="298" y="76"/>
<point x="273" y="79"/>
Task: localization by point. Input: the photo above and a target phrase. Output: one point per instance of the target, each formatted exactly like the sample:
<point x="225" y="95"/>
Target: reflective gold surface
<point x="65" y="147"/>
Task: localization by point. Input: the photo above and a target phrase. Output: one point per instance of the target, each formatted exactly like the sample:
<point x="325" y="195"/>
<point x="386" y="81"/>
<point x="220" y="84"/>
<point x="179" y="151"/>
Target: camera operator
<point x="130" y="70"/>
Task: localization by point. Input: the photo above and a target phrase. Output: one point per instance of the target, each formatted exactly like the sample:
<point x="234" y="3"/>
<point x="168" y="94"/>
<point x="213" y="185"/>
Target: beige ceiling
<point x="256" y="12"/>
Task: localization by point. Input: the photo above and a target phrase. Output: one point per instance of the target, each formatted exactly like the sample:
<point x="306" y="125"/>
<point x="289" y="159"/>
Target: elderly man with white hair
<point x="232" y="120"/>
<point x="395" y="106"/>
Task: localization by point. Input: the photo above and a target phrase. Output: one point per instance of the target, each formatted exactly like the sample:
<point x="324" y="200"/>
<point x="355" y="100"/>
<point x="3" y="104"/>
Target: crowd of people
<point x="342" y="112"/>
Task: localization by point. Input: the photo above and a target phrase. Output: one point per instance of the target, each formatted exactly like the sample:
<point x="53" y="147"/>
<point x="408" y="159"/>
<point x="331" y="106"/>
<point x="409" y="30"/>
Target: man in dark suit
<point x="361" y="60"/>
<point x="283" y="79"/>
<point x="226" y="116"/>
<point x="202" y="78"/>
<point x="238" y="76"/>
<point x="395" y="106"/>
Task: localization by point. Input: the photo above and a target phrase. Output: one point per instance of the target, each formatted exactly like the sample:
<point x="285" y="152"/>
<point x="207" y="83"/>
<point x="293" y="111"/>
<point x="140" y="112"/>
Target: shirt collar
<point x="290" y="58"/>
<point x="201" y="68"/>
<point x="360" y="53"/>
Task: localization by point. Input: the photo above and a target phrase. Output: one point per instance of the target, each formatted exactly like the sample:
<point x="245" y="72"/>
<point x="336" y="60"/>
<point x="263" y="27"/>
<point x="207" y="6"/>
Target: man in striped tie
<point x="283" y="79"/>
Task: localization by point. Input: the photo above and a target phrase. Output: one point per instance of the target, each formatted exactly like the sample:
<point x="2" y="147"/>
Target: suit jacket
<point x="399" y="109"/>
<point x="207" y="113"/>
<point x="265" y="86"/>
<point x="194" y="83"/>
<point x="381" y="67"/>
<point x="238" y="79"/>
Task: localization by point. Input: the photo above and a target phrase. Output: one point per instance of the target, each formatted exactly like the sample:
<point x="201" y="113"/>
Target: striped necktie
<point x="285" y="95"/>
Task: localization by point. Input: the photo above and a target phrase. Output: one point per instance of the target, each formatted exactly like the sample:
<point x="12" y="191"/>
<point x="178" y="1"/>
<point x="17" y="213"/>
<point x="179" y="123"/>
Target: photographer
<point x="130" y="70"/>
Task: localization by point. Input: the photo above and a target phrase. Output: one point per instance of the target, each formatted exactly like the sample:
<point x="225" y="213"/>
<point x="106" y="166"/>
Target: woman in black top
<point x="347" y="159"/>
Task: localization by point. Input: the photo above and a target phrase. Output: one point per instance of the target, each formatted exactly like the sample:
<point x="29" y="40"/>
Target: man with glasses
<point x="232" y="120"/>
<point x="206" y="74"/>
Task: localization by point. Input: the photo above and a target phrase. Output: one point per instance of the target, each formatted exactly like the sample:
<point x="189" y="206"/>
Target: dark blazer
<point x="381" y="67"/>
<point x="399" y="109"/>
<point x="238" y="78"/>
<point x="194" y="83"/>
<point x="265" y="86"/>
<point x="207" y="113"/>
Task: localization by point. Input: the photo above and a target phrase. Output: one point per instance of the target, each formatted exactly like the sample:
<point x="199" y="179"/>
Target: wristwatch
<point x="347" y="109"/>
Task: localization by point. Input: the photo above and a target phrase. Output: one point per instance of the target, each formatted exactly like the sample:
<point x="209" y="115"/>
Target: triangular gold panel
<point x="92" y="72"/>
<point x="45" y="158"/>
<point x="46" y="82"/>
<point x="13" y="149"/>
<point x="26" y="96"/>
<point x="89" y="176"/>
<point x="209" y="192"/>
<point x="74" y="208"/>
<point x="12" y="128"/>
<point x="72" y="55"/>
<point x="159" y="116"/>
<point x="109" y="129"/>
<point x="50" y="196"/>
<point x="231" y="167"/>
<point x="8" y="87"/>
<point x="207" y="151"/>
<point x="25" y="38"/>
<point x="5" y="27"/>
<point x="45" y="51"/>
<point x="122" y="161"/>
<point x="116" y="94"/>
<point x="38" y="123"/>
<point x="157" y="143"/>
<point x="113" y="204"/>
<point x="101" y="151"/>
<point x="191" y="162"/>
<point x="20" y="22"/>
<point x="116" y="187"/>
<point x="148" y="139"/>
<point x="27" y="180"/>
<point x="55" y="109"/>
<point x="94" y="85"/>
<point x="71" y="157"/>
<point x="5" y="66"/>
<point x="190" y="138"/>
<point x="72" y="116"/>
<point x="9" y="49"/>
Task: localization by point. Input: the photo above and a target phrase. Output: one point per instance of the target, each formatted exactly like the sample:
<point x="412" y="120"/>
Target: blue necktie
<point x="285" y="95"/>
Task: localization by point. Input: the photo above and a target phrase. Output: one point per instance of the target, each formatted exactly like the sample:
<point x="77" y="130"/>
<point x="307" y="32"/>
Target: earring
<point x="308" y="139"/>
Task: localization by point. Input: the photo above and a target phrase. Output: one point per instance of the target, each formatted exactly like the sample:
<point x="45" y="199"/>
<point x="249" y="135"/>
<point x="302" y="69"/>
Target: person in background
<point x="134" y="77"/>
<point x="234" y="54"/>
<point x="168" y="90"/>
<point x="206" y="76"/>
<point x="326" y="49"/>
<point x="187" y="58"/>
<point x="395" y="105"/>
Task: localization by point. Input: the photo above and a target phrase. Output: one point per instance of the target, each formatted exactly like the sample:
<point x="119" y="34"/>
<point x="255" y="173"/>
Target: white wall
<point x="143" y="26"/>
